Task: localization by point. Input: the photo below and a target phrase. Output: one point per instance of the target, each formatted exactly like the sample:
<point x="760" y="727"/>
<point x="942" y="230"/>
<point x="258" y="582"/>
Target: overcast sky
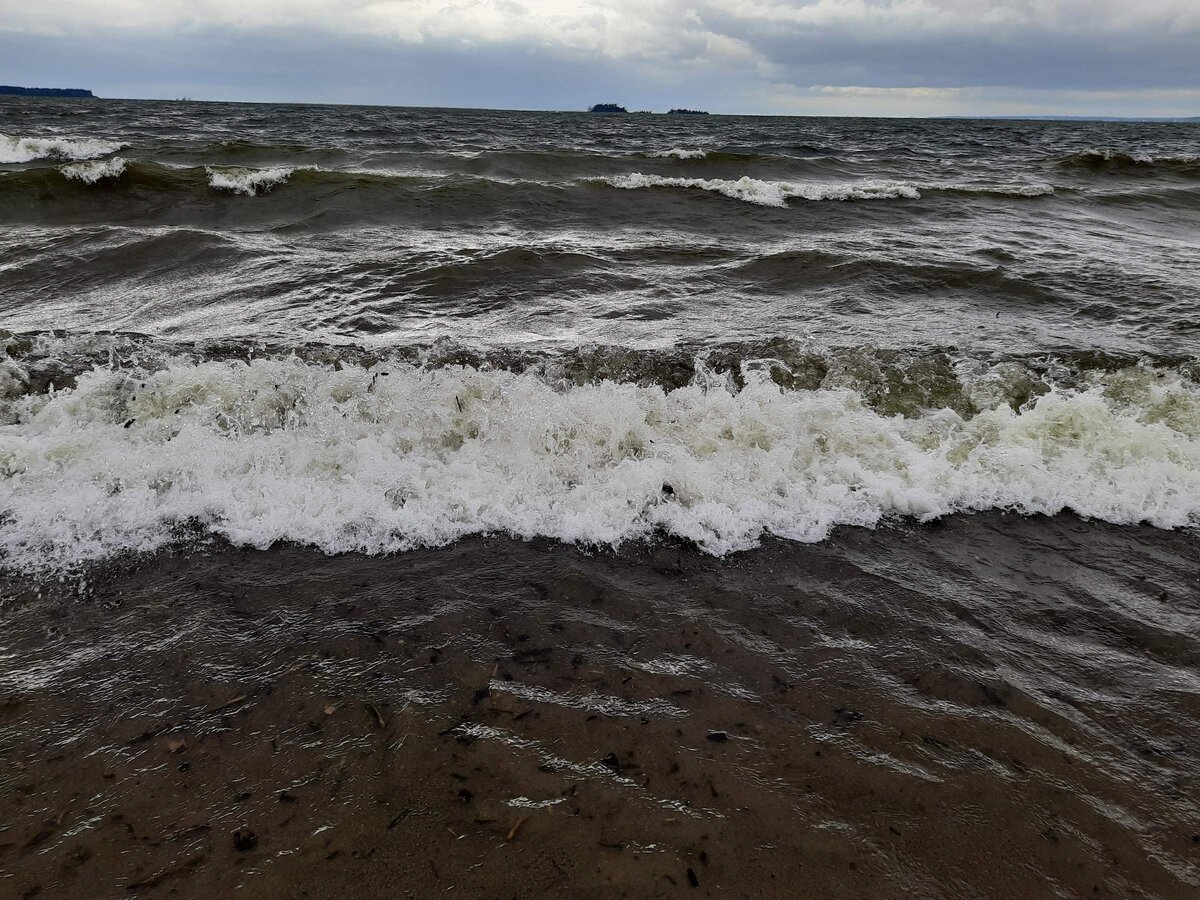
<point x="841" y="57"/>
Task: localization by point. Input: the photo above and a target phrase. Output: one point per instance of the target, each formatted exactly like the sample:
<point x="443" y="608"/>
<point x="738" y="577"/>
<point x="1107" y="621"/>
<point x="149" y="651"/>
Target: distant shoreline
<point x="13" y="90"/>
<point x="10" y="90"/>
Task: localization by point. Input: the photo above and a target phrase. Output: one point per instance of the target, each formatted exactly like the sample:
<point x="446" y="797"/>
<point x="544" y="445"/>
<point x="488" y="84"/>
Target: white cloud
<point x="615" y="28"/>
<point x="906" y="18"/>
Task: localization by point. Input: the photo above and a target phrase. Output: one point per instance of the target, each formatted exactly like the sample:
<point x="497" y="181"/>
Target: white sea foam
<point x="394" y="457"/>
<point x="399" y="174"/>
<point x="28" y="149"/>
<point x="95" y="172"/>
<point x="1029" y="189"/>
<point x="249" y="181"/>
<point x="774" y="193"/>
<point x="1107" y="154"/>
<point x="777" y="193"/>
<point x="679" y="153"/>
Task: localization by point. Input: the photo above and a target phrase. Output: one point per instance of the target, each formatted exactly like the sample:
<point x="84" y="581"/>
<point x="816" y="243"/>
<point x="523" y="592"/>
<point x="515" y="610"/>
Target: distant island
<point x="13" y="90"/>
<point x="617" y="108"/>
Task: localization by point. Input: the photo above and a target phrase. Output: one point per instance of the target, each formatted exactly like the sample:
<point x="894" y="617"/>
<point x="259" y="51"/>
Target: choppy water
<point x="370" y="328"/>
<point x="376" y="330"/>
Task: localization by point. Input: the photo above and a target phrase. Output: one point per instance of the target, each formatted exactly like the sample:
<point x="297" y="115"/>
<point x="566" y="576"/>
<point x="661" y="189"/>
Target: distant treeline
<point x="44" y="92"/>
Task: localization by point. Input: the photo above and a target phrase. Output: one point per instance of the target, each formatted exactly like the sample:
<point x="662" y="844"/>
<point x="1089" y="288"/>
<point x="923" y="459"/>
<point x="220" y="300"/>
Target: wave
<point x="1117" y="161"/>
<point x="389" y="455"/>
<point x="771" y="193"/>
<point x="564" y="164"/>
<point x="741" y="156"/>
<point x="134" y="175"/>
<point x="255" y="148"/>
<point x="1031" y="189"/>
<point x="777" y="193"/>
<point x="119" y="175"/>
<point x="249" y="181"/>
<point x="678" y="153"/>
<point x="138" y="179"/>
<point x="27" y="149"/>
<point x="96" y="171"/>
<point x="558" y="165"/>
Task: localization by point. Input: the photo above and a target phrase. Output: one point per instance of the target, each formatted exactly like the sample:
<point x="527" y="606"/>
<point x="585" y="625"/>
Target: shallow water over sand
<point x="993" y="706"/>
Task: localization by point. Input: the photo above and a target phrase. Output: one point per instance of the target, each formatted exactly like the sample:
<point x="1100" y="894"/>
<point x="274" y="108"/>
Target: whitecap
<point x="384" y="459"/>
<point x="679" y="153"/>
<point x="95" y="172"/>
<point x="1026" y="189"/>
<point x="774" y="193"/>
<point x="249" y="181"/>
<point x="29" y="149"/>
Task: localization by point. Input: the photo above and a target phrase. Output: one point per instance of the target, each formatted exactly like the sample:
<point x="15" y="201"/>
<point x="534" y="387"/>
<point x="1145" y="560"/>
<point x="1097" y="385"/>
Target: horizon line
<point x="1091" y="117"/>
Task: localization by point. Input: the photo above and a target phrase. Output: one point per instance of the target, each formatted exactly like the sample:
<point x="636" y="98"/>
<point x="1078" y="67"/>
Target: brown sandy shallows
<point x="993" y="707"/>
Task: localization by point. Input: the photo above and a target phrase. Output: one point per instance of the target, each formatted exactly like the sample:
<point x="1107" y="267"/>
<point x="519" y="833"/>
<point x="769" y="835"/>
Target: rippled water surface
<point x="375" y="224"/>
<point x="996" y="707"/>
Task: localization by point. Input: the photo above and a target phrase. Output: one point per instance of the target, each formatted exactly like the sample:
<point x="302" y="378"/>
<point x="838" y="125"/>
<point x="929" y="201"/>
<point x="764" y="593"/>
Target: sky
<point x="788" y="57"/>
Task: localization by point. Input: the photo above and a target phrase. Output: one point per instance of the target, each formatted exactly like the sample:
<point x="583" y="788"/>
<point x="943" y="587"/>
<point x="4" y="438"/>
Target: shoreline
<point x="991" y="705"/>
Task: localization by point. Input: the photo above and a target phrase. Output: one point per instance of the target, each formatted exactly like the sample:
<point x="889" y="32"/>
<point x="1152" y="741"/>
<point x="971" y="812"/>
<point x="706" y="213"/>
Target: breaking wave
<point x="385" y="455"/>
<point x="1030" y="189"/>
<point x="140" y="179"/>
<point x="154" y="177"/>
<point x="1116" y="161"/>
<point x="678" y="153"/>
<point x="771" y="193"/>
<point x="777" y="193"/>
<point x="249" y="181"/>
<point x="27" y="149"/>
<point x="95" y="172"/>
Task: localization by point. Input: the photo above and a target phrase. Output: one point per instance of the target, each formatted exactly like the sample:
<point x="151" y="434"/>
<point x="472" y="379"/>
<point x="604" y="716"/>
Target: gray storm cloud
<point x="829" y="56"/>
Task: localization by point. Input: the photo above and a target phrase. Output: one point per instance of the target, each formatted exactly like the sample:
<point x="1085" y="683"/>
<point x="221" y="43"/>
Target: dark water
<point x="871" y="446"/>
<point x="375" y="224"/>
<point x="373" y="329"/>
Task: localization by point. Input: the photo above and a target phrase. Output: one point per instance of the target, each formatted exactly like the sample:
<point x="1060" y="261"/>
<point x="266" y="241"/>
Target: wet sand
<point x="989" y="707"/>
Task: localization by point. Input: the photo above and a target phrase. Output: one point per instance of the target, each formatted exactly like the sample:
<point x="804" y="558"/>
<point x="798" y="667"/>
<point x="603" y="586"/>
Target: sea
<point x="374" y="329"/>
<point x="863" y="400"/>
